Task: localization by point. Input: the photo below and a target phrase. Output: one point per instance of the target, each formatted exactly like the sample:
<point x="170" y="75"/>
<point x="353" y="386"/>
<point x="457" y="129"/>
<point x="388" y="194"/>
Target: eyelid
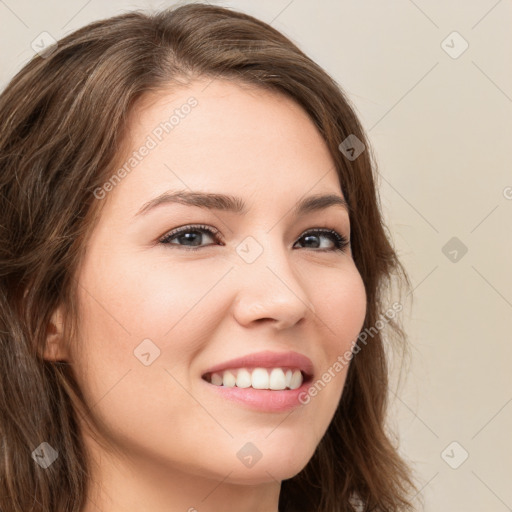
<point x="340" y="236"/>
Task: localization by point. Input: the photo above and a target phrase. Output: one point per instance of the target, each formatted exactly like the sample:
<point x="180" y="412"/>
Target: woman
<point x="145" y="369"/>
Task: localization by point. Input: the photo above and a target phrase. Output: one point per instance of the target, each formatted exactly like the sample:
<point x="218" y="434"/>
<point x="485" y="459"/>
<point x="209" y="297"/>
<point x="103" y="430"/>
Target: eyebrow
<point x="229" y="203"/>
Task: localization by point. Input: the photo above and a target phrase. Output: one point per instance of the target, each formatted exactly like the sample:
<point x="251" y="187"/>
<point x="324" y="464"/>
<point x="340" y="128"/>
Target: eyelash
<point x="340" y="241"/>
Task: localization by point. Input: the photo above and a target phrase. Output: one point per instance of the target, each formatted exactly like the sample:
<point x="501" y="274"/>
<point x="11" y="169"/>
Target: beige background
<point x="441" y="129"/>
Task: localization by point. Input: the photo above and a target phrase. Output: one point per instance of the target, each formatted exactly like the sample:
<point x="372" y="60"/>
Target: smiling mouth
<point x="277" y="379"/>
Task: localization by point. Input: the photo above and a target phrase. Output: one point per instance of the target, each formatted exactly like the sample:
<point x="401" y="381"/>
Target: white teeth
<point x="228" y="379"/>
<point x="289" y="374"/>
<point x="296" y="380"/>
<point x="243" y="379"/>
<point x="259" y="378"/>
<point x="277" y="379"/>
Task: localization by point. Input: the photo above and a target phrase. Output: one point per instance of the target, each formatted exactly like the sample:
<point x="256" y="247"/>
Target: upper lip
<point x="267" y="359"/>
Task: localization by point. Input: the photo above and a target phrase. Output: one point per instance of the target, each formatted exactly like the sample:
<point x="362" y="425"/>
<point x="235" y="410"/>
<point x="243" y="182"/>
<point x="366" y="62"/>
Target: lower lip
<point x="265" y="400"/>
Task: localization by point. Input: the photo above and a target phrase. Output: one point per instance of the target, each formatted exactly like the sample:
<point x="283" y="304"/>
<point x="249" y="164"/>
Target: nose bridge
<point x="268" y="286"/>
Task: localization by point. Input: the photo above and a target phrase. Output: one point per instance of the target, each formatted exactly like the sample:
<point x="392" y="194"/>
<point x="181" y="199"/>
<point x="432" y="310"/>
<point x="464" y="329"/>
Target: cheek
<point x="127" y="301"/>
<point x="341" y="308"/>
<point x="127" y="322"/>
<point x="159" y="313"/>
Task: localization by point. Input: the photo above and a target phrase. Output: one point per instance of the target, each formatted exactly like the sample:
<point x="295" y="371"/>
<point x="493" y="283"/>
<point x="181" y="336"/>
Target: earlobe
<point x="55" y="347"/>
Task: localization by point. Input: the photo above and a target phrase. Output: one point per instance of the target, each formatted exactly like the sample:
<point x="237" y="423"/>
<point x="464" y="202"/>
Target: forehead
<point x="236" y="139"/>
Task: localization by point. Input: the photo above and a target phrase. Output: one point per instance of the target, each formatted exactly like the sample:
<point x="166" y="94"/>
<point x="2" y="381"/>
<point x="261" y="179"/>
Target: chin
<point x="278" y="461"/>
<point x="271" y="471"/>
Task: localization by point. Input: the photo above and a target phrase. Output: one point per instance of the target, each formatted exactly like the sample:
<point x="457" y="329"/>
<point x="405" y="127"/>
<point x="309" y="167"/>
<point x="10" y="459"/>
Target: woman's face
<point x="158" y="317"/>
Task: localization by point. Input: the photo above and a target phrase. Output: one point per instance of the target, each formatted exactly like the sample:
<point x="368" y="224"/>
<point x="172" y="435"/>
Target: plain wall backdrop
<point x="432" y="87"/>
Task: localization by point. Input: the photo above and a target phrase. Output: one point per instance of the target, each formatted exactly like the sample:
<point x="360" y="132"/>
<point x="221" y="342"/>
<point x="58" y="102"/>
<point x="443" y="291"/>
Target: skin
<point x="176" y="440"/>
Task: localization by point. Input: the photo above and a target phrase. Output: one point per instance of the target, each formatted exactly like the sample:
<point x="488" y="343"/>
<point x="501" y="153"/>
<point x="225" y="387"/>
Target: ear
<point x="56" y="346"/>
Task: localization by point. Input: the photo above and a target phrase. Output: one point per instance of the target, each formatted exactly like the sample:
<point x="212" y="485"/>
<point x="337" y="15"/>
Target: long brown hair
<point x="63" y="128"/>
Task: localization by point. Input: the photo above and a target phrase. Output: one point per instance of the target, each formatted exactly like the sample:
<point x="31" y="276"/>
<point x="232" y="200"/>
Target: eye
<point x="340" y="242"/>
<point x="190" y="234"/>
<point x="190" y="238"/>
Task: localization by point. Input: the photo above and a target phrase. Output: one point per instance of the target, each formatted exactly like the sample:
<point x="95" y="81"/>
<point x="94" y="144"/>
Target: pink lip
<point x="265" y="400"/>
<point x="267" y="359"/>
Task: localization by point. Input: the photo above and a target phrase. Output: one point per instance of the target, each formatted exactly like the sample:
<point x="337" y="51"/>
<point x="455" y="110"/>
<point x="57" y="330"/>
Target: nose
<point x="271" y="291"/>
